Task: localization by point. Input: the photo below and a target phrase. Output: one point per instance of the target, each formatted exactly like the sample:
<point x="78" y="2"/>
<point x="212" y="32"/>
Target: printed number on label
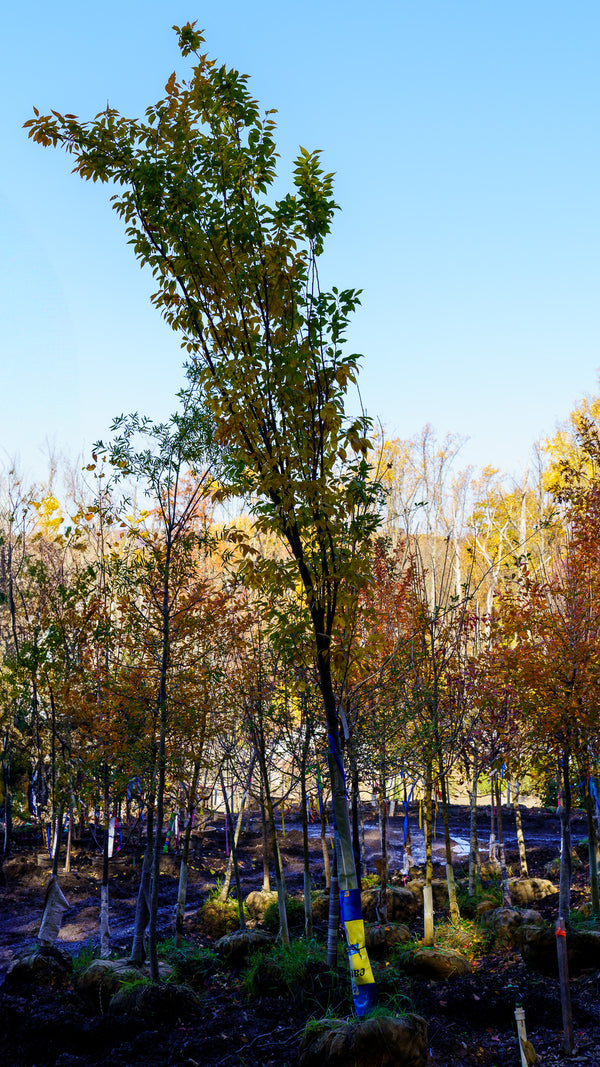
<point x="358" y="972"/>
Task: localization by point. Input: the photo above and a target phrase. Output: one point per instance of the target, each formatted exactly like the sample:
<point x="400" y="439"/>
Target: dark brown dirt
<point x="470" y="1020"/>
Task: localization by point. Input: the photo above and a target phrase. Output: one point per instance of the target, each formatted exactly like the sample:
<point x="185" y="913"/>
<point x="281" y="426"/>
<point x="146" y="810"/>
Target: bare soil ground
<point x="470" y="1020"/>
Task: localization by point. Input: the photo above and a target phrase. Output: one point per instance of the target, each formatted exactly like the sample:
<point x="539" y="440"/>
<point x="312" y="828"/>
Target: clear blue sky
<point x="465" y="137"/>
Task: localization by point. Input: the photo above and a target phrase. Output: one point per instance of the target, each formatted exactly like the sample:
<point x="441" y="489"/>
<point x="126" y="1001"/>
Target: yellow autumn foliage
<point x="574" y="451"/>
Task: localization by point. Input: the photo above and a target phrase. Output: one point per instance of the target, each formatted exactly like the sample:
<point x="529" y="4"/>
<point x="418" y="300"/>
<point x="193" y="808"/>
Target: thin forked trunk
<point x="236" y="834"/>
<point x="233" y="853"/>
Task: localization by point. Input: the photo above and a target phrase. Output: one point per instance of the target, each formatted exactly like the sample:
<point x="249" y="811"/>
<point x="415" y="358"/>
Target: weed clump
<point x="294" y="907"/>
<point x="219" y="917"/>
<point x="192" y="964"/>
<point x="298" y="970"/>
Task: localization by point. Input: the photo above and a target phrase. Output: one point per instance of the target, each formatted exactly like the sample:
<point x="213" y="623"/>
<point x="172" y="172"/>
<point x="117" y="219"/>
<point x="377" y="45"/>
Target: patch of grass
<point x="86" y="955"/>
<point x="584" y="919"/>
<point x="294" y="907"/>
<point x="220" y="917"/>
<point x="191" y="964"/>
<point x="468" y="904"/>
<point x="292" y="967"/>
<point x="215" y="892"/>
<point x="316" y="1026"/>
<point x="466" y="937"/>
<point x="389" y="1008"/>
<point x="402" y="956"/>
<point x="130" y="984"/>
<point x="392" y="990"/>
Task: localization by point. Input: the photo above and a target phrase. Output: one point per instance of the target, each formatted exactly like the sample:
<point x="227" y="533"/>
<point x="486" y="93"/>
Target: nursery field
<point x="217" y="1008"/>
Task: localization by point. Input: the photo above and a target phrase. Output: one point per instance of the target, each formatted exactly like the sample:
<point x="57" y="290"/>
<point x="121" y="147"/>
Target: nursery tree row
<point x="372" y="612"/>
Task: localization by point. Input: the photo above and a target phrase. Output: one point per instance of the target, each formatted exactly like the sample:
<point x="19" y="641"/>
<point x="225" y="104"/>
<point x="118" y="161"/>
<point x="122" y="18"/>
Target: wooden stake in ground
<point x="565" y="993"/>
<point x="528" y="1053"/>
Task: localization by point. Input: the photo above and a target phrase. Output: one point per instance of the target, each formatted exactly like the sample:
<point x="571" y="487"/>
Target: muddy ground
<point x="470" y="1020"/>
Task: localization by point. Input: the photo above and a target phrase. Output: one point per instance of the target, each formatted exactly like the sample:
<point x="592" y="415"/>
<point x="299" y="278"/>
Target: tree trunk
<point x="523" y="869"/>
<point x="363" y="985"/>
<point x="454" y="910"/>
<point x="596" y="817"/>
<point x="563" y="981"/>
<point x="592" y="848"/>
<point x="564" y="902"/>
<point x="333" y="919"/>
<point x="57" y="843"/>
<point x="142" y="907"/>
<point x="382" y="906"/>
<point x="7" y="812"/>
<point x="473" y="847"/>
<point x="233" y="854"/>
<point x="162" y="709"/>
<point x="156" y="858"/>
<point x="492" y="845"/>
<point x="428" y="932"/>
<point x="356" y="823"/>
<point x="279" y="877"/>
<point x="502" y="855"/>
<point x="69" y="842"/>
<point x="346" y="870"/>
<point x="185" y="853"/>
<point x="363" y="850"/>
<point x="104" y="916"/>
<point x="266" y="886"/>
<point x="308" y="924"/>
<point x="324" y="846"/>
<point x="236" y="833"/>
<point x="407" y="837"/>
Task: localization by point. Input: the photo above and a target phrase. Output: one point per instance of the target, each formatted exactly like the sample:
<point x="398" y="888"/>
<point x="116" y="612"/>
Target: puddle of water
<point x="460" y="844"/>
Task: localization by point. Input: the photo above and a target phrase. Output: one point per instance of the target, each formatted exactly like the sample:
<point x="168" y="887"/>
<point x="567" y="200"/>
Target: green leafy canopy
<point x="237" y="278"/>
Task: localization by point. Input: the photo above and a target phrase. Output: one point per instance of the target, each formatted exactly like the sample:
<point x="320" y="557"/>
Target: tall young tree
<point x="237" y="278"/>
<point x="160" y="456"/>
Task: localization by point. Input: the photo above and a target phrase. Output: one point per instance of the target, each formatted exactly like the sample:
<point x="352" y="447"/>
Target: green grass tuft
<point x="292" y="967"/>
<point x="86" y="955"/>
<point x="294" y="907"/>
